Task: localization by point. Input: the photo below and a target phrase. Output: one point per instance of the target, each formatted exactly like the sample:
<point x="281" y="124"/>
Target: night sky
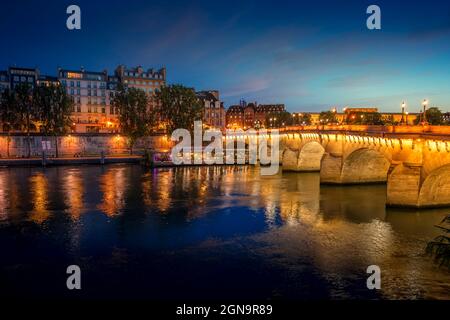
<point x="309" y="55"/>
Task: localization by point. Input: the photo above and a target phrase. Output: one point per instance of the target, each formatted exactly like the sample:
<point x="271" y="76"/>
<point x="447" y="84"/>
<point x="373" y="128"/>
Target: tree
<point x="179" y="107"/>
<point x="303" y="119"/>
<point x="366" y="118"/>
<point x="25" y="109"/>
<point x="278" y="119"/>
<point x="327" y="117"/>
<point x="434" y="116"/>
<point x="8" y="114"/>
<point x="135" y="118"/>
<point x="54" y="108"/>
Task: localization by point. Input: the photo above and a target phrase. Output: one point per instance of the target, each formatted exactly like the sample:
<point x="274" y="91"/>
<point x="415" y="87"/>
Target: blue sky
<point x="309" y="55"/>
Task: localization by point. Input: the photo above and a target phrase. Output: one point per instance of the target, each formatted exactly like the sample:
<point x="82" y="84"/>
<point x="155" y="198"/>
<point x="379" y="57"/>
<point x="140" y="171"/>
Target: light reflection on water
<point x="211" y="232"/>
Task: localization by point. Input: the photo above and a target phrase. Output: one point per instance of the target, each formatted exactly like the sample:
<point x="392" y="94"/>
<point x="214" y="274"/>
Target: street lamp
<point x="403" y="112"/>
<point x="425" y="103"/>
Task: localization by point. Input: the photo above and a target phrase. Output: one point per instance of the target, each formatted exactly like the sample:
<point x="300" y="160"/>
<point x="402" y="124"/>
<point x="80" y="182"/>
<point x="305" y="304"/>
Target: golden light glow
<point x="113" y="186"/>
<point x="74" y="75"/>
<point x="39" y="187"/>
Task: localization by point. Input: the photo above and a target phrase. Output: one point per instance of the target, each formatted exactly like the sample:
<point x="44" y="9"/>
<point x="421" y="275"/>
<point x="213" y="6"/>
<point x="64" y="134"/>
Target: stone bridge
<point x="416" y="169"/>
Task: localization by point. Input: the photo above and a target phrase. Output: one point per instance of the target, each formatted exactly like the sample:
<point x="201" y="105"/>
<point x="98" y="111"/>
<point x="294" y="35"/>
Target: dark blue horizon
<point x="308" y="55"/>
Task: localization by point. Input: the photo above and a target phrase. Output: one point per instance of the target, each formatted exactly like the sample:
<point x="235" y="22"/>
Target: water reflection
<point x="317" y="237"/>
<point x="39" y="195"/>
<point x="113" y="185"/>
<point x="74" y="193"/>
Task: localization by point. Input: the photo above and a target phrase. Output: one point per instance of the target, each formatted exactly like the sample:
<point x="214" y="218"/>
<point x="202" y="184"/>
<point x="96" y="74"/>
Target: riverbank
<point x="24" y="162"/>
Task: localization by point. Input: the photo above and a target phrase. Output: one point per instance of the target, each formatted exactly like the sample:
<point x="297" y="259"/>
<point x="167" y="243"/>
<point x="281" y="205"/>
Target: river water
<point x="208" y="232"/>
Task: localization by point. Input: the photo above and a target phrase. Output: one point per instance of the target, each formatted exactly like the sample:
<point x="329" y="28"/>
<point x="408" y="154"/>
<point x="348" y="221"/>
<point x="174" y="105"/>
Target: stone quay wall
<point x="77" y="144"/>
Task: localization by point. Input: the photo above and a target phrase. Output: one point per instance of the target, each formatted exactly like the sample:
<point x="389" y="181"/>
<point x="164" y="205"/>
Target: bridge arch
<point x="365" y="165"/>
<point x="310" y="156"/>
<point x="435" y="190"/>
<point x="307" y="159"/>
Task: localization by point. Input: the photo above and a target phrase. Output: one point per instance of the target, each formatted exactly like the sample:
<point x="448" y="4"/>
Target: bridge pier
<point x="403" y="185"/>
<point x="306" y="159"/>
<point x="410" y="186"/>
<point x="360" y="167"/>
<point x="331" y="168"/>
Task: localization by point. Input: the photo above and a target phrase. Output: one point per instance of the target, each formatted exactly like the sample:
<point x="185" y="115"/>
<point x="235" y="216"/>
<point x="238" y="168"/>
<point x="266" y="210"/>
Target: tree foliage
<point x="365" y="118"/>
<point x="303" y="119"/>
<point x="179" y="107"/>
<point x="54" y="107"/>
<point x="278" y="119"/>
<point x="327" y="117"/>
<point x="434" y="116"/>
<point x="8" y="111"/>
<point x="135" y="118"/>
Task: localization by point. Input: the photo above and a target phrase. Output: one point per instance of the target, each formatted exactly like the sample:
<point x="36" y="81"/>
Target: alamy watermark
<point x="374" y="20"/>
<point x="73" y="281"/>
<point x="236" y="147"/>
<point x="73" y="22"/>
<point x="374" y="280"/>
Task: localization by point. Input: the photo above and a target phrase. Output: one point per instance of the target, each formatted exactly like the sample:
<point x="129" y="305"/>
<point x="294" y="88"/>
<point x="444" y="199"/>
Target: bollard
<point x="102" y="157"/>
<point x="44" y="159"/>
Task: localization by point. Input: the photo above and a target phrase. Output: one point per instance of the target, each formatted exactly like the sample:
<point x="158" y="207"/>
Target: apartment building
<point x="92" y="97"/>
<point x="213" y="109"/>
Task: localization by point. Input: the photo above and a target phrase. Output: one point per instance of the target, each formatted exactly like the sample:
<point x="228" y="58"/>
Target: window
<point x="78" y="91"/>
<point x="72" y="92"/>
<point x="103" y="110"/>
<point x="78" y="84"/>
<point x="78" y="108"/>
<point x="72" y="83"/>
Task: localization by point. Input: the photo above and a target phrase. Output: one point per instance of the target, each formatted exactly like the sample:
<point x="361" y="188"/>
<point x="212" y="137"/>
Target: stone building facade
<point x="92" y="112"/>
<point x="251" y="115"/>
<point x="213" y="109"/>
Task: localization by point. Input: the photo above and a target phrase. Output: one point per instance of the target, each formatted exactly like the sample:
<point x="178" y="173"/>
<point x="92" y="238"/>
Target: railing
<point x="422" y="130"/>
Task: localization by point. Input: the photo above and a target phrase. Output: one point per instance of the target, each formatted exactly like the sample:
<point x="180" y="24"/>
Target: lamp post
<point x="403" y="112"/>
<point x="424" y="117"/>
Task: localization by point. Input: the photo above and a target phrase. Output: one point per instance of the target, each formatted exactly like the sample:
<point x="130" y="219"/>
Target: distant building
<point x="44" y="80"/>
<point x="213" y="109"/>
<point x="149" y="80"/>
<point x="18" y="76"/>
<point x="251" y="115"/>
<point x="349" y="115"/>
<point x="4" y="81"/>
<point x="235" y="117"/>
<point x="92" y="98"/>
